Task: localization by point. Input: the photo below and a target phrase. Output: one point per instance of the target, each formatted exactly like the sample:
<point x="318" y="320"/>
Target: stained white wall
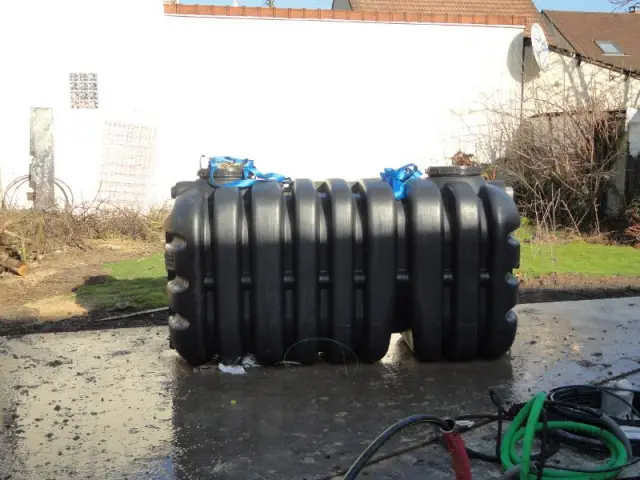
<point x="118" y="40"/>
<point x="304" y="98"/>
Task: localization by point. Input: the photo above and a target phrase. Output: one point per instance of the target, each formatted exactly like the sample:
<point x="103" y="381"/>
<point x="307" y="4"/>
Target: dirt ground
<point x="568" y="287"/>
<point x="28" y="303"/>
<point x="33" y="304"/>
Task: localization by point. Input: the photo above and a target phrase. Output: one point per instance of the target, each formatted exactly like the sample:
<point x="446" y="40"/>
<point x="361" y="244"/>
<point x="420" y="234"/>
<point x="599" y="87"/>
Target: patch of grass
<point x="148" y="267"/>
<point x="538" y="259"/>
<point x="135" y="284"/>
<point x="140" y="284"/>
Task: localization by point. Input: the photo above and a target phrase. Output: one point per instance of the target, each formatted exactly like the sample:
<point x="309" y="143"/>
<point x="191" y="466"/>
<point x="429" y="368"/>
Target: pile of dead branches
<point x="561" y="168"/>
<point x="10" y="258"/>
<point x="27" y="235"/>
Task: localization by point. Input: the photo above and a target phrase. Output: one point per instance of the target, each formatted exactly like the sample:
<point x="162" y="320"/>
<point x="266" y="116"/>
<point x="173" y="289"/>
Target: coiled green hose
<point x="530" y="414"/>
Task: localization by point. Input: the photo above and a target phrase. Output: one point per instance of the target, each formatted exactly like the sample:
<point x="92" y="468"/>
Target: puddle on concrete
<point x="119" y="404"/>
<point x="85" y="404"/>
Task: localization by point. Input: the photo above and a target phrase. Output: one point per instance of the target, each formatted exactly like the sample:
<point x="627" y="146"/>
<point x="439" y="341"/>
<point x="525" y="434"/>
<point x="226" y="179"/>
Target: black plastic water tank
<point x="261" y="269"/>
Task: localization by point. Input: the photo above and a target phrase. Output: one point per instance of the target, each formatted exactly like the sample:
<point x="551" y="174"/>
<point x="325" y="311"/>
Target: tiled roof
<point x="524" y="8"/>
<point x="581" y="30"/>
<point x="366" y="16"/>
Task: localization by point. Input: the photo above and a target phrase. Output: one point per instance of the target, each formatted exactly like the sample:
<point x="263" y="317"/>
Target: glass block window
<point x="84" y="90"/>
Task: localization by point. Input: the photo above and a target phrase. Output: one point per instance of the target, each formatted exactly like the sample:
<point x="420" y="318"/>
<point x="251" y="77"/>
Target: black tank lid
<point x="454" y="171"/>
<point x="229" y="170"/>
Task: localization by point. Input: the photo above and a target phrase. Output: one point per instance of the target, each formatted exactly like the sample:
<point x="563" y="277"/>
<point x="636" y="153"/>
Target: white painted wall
<point x="118" y="40"/>
<point x="567" y="80"/>
<point x="304" y="98"/>
<point x="323" y="99"/>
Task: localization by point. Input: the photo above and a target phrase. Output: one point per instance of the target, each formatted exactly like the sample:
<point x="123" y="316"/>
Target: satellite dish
<point x="540" y="47"/>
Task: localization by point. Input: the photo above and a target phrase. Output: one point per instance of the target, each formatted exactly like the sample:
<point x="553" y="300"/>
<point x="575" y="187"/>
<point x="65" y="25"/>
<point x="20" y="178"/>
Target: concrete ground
<point x="120" y="405"/>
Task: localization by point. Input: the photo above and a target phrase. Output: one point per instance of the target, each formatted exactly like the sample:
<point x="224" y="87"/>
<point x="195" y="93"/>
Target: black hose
<point x="384" y="437"/>
<point x="551" y="449"/>
<point x="581" y="403"/>
<point x="614" y="428"/>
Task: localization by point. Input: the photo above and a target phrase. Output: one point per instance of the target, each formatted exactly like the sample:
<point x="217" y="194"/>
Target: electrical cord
<point x="568" y="413"/>
<point x="385" y="436"/>
<point x="524" y="428"/>
<point x="591" y="396"/>
<point x="454" y="442"/>
<point x="553" y="446"/>
<point x="581" y="403"/>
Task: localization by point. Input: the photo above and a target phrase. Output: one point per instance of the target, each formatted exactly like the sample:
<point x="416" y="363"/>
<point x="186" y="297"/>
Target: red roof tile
<point x="524" y="8"/>
<point x="365" y="16"/>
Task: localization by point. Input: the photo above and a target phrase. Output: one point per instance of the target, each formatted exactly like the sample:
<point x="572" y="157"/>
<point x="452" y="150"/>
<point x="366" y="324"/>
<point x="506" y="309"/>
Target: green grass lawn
<point x="136" y="284"/>
<point x="578" y="257"/>
<point x="542" y="258"/>
<point x="140" y="284"/>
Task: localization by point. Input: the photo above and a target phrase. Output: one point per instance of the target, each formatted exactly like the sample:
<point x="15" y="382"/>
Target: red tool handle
<point x="459" y="457"/>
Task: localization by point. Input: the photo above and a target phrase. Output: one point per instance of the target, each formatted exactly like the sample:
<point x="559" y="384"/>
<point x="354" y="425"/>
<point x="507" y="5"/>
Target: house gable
<point x="597" y="36"/>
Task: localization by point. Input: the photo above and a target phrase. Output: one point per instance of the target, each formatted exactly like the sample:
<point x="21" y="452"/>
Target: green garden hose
<point x="518" y="431"/>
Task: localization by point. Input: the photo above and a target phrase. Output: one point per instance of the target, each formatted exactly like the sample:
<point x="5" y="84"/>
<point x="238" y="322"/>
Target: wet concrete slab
<point x="119" y="404"/>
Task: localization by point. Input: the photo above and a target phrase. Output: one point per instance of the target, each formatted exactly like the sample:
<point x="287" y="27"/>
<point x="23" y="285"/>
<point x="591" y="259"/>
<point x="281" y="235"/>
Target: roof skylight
<point x="609" y="48"/>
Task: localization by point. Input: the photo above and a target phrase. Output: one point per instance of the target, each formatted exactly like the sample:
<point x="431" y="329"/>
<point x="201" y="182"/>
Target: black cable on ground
<point x="581" y="403"/>
<point x="543" y="447"/>
<point x="411" y="448"/>
<point x="577" y="404"/>
<point x="384" y="437"/>
<point x="608" y="470"/>
<point x="548" y="450"/>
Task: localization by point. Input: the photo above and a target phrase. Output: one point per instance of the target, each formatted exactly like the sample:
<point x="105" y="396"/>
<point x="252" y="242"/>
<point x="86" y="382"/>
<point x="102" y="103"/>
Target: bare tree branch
<point x="620" y="4"/>
<point x="560" y="150"/>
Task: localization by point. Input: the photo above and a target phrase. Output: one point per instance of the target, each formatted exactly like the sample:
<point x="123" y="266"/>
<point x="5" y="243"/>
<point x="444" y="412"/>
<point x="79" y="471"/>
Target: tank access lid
<point x="229" y="170"/>
<point x="454" y="171"/>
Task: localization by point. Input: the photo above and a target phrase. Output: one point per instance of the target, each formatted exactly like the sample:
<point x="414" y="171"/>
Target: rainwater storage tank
<point x="262" y="269"/>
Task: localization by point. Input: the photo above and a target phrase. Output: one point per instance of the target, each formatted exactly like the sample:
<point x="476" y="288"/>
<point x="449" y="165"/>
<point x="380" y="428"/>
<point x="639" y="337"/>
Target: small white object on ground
<point x="619" y="405"/>
<point x="240" y="366"/>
